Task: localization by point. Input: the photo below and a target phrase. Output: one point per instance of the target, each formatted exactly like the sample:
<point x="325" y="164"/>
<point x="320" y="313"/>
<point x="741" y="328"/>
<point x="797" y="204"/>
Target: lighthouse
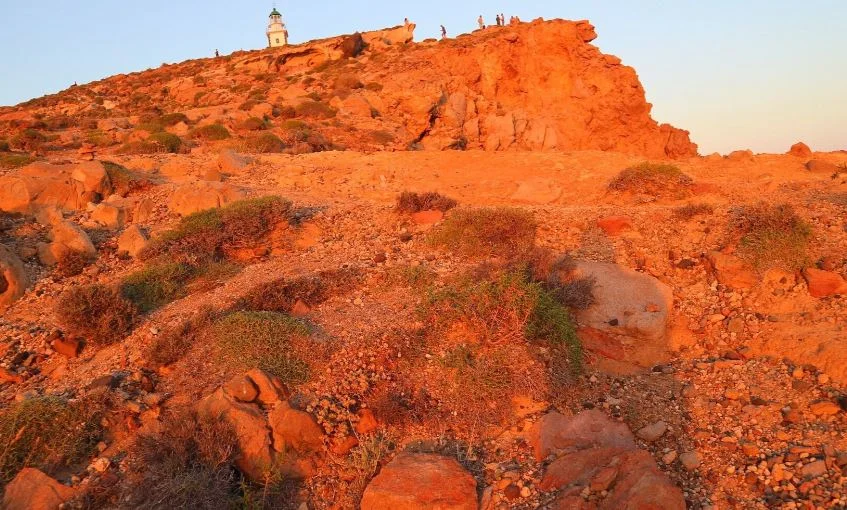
<point x="277" y="33"/>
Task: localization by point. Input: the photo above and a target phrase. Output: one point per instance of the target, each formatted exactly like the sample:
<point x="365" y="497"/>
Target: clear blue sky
<point x="738" y="74"/>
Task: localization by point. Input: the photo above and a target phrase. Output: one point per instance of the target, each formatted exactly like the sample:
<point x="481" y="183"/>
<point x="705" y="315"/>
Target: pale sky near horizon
<point x="754" y="74"/>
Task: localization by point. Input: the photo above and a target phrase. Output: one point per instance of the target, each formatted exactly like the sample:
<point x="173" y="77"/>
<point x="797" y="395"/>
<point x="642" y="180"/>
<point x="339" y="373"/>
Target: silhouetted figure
<point x="481" y="22"/>
<point x="217" y="54"/>
<point x="502" y="19"/>
<point x="406" y="22"/>
<point x="443" y="32"/>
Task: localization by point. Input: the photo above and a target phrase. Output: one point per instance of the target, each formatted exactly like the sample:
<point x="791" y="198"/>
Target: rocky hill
<point x="370" y="273"/>
<point x="532" y="86"/>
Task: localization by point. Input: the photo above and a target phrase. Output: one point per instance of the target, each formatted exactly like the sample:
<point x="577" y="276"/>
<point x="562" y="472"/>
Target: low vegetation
<point x="157" y="284"/>
<point x="315" y="110"/>
<point x="188" y="463"/>
<point x="772" y="236"/>
<point x="15" y="160"/>
<point x="264" y="143"/>
<point x="48" y="433"/>
<point x="410" y="202"/>
<point x="171" y="345"/>
<point x="210" y="132"/>
<point x="503" y="232"/>
<point x="556" y="273"/>
<point x="161" y="142"/>
<point x="99" y="313"/>
<point x="72" y="263"/>
<point x="272" y="341"/>
<point x="123" y="180"/>
<point x="689" y="211"/>
<point x="206" y="235"/>
<point x="254" y="124"/>
<point x="311" y="290"/>
<point x="652" y="179"/>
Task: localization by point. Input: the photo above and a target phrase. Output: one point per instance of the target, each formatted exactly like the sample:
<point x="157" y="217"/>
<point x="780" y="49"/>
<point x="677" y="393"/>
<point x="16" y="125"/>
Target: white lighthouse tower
<point x="277" y="33"/>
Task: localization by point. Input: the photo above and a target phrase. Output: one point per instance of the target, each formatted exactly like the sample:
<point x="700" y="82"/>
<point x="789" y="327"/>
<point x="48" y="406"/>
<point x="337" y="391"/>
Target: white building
<point x="277" y="33"/>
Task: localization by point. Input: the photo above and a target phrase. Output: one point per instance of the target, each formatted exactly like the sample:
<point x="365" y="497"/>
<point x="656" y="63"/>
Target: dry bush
<point x="651" y="179"/>
<point x="348" y="81"/>
<point x="315" y="110"/>
<point x="161" y="142"/>
<point x="204" y="235"/>
<point x="73" y="263"/>
<point x="28" y="140"/>
<point x="172" y="119"/>
<point x="170" y="346"/>
<point x="254" y="124"/>
<point x="410" y="202"/>
<point x="210" y="132"/>
<point x="688" y="211"/>
<point x="771" y="236"/>
<point x="274" y="342"/>
<point x="99" y="313"/>
<point x="282" y="294"/>
<point x="556" y="274"/>
<point x="47" y="433"/>
<point x="188" y="464"/>
<point x="502" y="231"/>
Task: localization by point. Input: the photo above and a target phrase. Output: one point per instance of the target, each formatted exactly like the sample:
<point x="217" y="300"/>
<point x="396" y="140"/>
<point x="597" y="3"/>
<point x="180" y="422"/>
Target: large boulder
<point x="202" y="195"/>
<point x="132" y="241"/>
<point x="65" y="237"/>
<point x="13" y="279"/>
<point x="33" y="490"/>
<point x="824" y="283"/>
<point x="817" y="166"/>
<point x="801" y="150"/>
<point x="68" y="187"/>
<point x="109" y="215"/>
<point x="626" y="302"/>
<point x="590" y="451"/>
<point x="230" y="162"/>
<point x="421" y="481"/>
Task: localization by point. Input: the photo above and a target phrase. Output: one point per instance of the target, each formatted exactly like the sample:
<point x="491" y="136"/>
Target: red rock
<point x="578" y="467"/>
<point x="343" y="446"/>
<point x="801" y="150"/>
<point x="367" y="422"/>
<point x="601" y="343"/>
<point x="589" y="428"/>
<point x="300" y="309"/>
<point x="818" y="166"/>
<point x="132" y="241"/>
<point x="67" y="347"/>
<point x="732" y="271"/>
<point x="294" y="430"/>
<point x="33" y="490"/>
<point x="271" y="389"/>
<point x="7" y="375"/>
<point x="241" y="388"/>
<point x="427" y="217"/>
<point x="421" y="481"/>
<point x="824" y="283"/>
<point x="202" y="195"/>
<point x="615" y="225"/>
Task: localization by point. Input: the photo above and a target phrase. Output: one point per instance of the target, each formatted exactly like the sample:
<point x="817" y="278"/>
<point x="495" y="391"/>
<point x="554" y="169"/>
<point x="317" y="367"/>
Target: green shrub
<point x="272" y="341"/>
<point x="28" y="140"/>
<point x="410" y="202"/>
<point x="99" y="313"/>
<point x="772" y="236"/>
<point x="14" y="160"/>
<point x="651" y="178"/>
<point x="503" y="232"/>
<point x="99" y="138"/>
<point x="157" y="285"/>
<point x="315" y="110"/>
<point x="47" y="433"/>
<point x="210" y="132"/>
<point x="263" y="144"/>
<point x="204" y="235"/>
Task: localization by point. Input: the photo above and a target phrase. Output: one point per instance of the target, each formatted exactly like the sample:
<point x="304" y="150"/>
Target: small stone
<point x="653" y="431"/>
<point x="824" y="408"/>
<point x="690" y="460"/>
<point x="669" y="457"/>
<point x="732" y="394"/>
<point x="525" y="492"/>
<point x="814" y="469"/>
<point x="101" y="464"/>
<point x="512" y="491"/>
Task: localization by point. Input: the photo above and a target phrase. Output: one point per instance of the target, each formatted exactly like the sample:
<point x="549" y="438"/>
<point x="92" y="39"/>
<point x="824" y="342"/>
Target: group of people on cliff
<point x="501" y="21"/>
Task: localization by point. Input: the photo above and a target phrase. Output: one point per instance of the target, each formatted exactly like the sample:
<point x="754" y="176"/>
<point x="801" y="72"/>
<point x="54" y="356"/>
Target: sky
<point x="750" y="74"/>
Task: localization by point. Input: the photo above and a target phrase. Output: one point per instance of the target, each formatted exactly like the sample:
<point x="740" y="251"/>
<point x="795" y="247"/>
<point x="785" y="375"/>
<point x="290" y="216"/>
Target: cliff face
<point x="531" y="86"/>
<point x="534" y="86"/>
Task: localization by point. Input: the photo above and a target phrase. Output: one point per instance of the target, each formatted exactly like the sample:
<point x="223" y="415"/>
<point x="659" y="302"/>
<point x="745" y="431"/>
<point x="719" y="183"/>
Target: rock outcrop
<point x="65" y="237"/>
<point x="13" y="279"/>
<point x="68" y="187"/>
<point x="271" y="435"/>
<point x="593" y="453"/>
<point x="421" y="481"/>
<point x="33" y="490"/>
<point x="202" y="195"/>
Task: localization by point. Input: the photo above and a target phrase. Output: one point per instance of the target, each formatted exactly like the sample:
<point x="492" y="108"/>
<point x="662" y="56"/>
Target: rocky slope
<point x="288" y="328"/>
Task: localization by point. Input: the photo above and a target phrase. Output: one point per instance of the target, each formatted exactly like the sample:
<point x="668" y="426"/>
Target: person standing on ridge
<point x="481" y="22"/>
<point x="502" y="19"/>
<point x="443" y="32"/>
<point x="217" y="54"/>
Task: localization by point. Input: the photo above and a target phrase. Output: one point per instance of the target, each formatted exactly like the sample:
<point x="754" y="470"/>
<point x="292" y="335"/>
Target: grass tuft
<point x="410" y="202"/>
<point x="210" y="132"/>
<point x="503" y="232"/>
<point x="651" y="179"/>
<point x="99" y="313"/>
<point x="772" y="236"/>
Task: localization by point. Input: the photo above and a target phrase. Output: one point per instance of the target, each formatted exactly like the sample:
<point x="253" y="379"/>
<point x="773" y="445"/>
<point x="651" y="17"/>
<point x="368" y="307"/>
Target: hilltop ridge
<point x="531" y="86"/>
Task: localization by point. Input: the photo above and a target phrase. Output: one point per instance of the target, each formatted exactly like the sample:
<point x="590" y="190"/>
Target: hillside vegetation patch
<point x="99" y="313"/>
<point x="410" y="202"/>
<point x="503" y="232"/>
<point x="652" y="179"/>
<point x="772" y="236"/>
